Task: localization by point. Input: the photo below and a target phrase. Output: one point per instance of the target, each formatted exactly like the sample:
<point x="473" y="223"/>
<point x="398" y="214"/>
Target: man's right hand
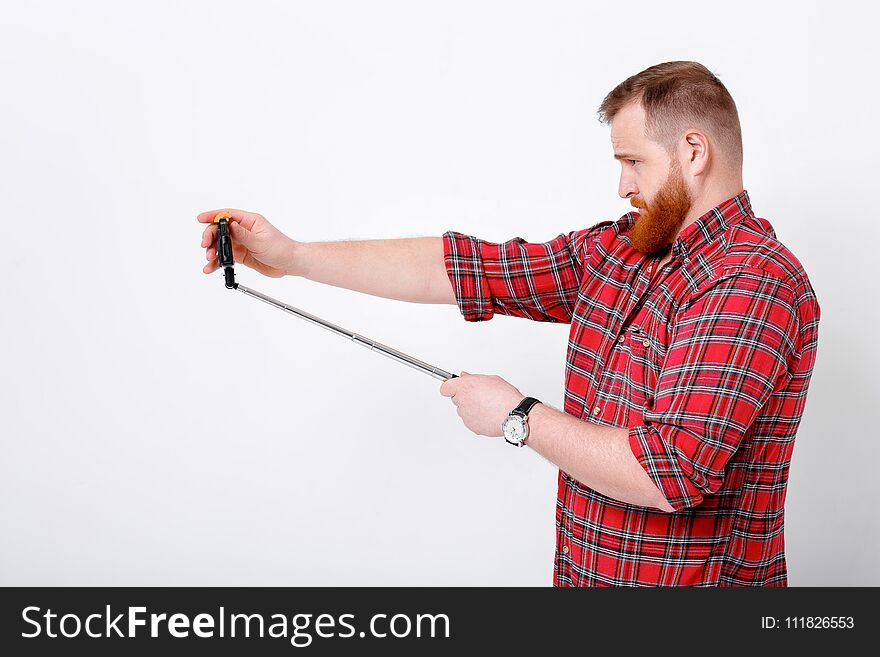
<point x="255" y="243"/>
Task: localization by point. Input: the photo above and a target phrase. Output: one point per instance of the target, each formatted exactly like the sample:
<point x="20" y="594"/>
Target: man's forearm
<point x="597" y="456"/>
<point x="407" y="269"/>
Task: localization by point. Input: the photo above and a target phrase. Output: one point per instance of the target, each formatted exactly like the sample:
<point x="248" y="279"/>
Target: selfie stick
<point x="224" y="253"/>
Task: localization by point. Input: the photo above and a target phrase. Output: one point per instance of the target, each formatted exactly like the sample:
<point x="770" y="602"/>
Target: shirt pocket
<point x="649" y="342"/>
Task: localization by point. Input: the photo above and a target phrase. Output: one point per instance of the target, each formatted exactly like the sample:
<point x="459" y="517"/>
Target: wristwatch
<point x="516" y="426"/>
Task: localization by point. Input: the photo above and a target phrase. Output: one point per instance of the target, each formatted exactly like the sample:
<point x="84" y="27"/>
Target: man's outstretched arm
<point x="406" y="269"/>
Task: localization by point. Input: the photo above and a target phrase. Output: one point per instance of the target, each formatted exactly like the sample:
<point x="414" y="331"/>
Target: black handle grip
<point x="224" y="244"/>
<point x="224" y="253"/>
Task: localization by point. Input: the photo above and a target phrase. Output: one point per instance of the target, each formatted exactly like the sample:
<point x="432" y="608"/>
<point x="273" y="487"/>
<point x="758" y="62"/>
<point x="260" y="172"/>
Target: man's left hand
<point x="483" y="401"/>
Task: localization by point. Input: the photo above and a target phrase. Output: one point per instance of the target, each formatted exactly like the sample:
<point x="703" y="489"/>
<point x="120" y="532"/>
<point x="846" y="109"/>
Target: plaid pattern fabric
<point x="706" y="362"/>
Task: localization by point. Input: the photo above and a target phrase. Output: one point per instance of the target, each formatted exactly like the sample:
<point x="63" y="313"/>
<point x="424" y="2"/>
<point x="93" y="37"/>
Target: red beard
<point x="659" y="223"/>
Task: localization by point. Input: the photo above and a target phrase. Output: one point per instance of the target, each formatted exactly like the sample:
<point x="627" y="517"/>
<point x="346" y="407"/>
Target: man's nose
<point x="627" y="188"/>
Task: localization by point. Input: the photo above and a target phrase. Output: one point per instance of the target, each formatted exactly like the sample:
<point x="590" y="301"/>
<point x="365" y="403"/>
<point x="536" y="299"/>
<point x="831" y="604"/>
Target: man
<point x="693" y="338"/>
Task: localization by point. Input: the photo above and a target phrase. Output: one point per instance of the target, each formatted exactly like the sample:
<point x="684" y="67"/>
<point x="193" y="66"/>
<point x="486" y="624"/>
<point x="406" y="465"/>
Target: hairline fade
<point x="677" y="96"/>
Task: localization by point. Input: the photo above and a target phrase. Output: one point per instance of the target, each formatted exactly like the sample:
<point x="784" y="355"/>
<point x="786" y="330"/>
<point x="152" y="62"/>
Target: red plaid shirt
<point x="706" y="361"/>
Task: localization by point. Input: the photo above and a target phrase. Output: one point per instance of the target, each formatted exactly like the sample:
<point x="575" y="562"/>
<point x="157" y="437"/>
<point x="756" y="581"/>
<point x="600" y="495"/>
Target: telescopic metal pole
<point x="224" y="251"/>
<point x="400" y="357"/>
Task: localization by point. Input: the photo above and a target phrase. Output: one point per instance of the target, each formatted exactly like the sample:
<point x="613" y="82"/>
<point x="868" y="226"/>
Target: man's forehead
<point x="628" y="127"/>
<point x="628" y="133"/>
<point x="625" y="146"/>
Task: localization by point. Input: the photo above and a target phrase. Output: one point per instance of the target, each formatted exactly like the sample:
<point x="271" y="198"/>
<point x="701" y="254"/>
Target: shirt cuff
<point x="463" y="259"/>
<point x="656" y="457"/>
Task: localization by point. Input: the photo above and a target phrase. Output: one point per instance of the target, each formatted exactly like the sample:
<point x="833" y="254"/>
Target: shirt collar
<point x="717" y="220"/>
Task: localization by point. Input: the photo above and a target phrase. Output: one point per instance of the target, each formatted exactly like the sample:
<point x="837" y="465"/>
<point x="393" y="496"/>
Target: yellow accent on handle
<point x="222" y="215"/>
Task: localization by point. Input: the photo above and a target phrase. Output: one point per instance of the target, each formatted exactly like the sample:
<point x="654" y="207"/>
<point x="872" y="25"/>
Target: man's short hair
<point x="677" y="96"/>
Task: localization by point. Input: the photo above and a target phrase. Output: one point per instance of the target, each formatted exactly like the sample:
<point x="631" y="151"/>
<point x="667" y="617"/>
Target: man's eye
<point x="633" y="162"/>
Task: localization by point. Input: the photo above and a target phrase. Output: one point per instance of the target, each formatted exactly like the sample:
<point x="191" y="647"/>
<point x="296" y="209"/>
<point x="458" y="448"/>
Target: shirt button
<point x="621" y="339"/>
<point x="646" y="343"/>
<point x="564" y="549"/>
<point x="686" y="260"/>
<point x="649" y="269"/>
<point x="597" y="410"/>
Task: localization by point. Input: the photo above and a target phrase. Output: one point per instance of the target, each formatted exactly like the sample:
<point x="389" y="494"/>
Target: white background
<point x="158" y="429"/>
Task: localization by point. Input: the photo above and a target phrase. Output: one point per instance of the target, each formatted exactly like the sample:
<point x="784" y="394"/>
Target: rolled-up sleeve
<point x="730" y="349"/>
<point x="537" y="281"/>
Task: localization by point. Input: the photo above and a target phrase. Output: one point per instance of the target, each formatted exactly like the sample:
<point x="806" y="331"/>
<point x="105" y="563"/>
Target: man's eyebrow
<point x="624" y="156"/>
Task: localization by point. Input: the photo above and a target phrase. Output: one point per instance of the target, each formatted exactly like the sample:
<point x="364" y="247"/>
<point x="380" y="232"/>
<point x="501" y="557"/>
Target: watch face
<point x="514" y="429"/>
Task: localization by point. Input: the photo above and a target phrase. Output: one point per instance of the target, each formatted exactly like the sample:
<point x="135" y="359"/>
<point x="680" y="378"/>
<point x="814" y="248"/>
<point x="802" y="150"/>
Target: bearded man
<point x="693" y="338"/>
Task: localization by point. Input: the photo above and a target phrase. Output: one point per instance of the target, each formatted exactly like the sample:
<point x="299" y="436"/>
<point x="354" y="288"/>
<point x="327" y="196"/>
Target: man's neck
<point x="708" y="200"/>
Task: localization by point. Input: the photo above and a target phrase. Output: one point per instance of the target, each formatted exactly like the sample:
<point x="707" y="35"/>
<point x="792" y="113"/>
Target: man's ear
<point x="696" y="151"/>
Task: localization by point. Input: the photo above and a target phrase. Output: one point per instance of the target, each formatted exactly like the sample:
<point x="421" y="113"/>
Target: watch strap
<point x="525" y="406"/>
